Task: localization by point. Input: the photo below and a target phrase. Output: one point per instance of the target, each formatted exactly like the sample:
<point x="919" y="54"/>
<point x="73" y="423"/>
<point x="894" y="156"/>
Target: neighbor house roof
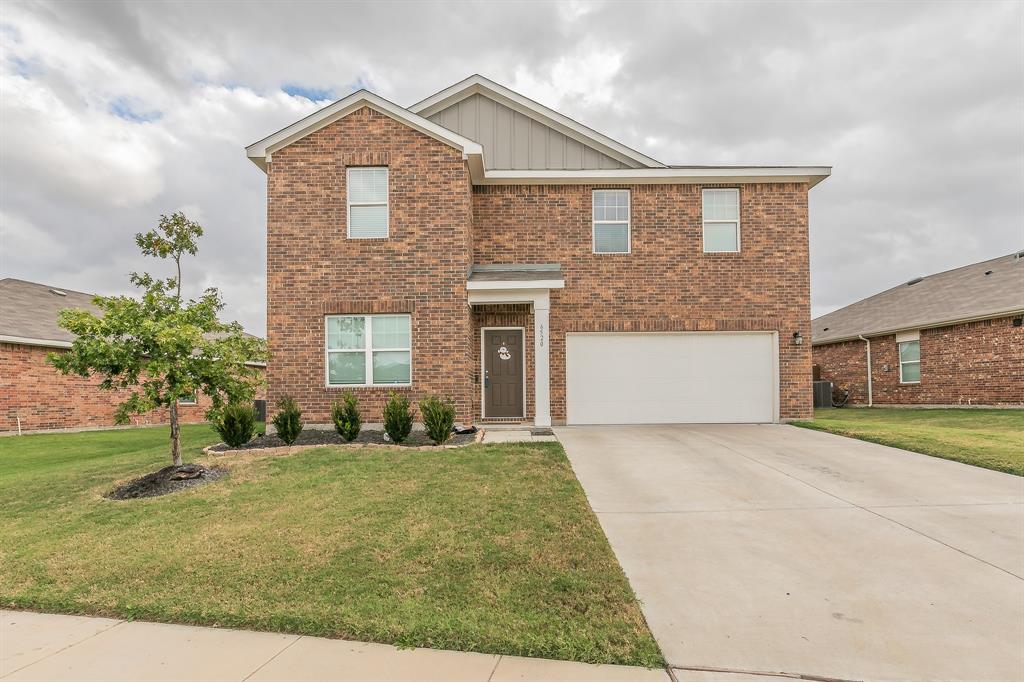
<point x="643" y="169"/>
<point x="991" y="288"/>
<point x="28" y="312"/>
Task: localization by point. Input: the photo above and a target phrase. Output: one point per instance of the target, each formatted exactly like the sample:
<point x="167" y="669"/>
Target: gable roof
<point x="28" y="312"/>
<point x="260" y="152"/>
<point x="991" y="288"/>
<point x="640" y="169"/>
<point x="478" y="85"/>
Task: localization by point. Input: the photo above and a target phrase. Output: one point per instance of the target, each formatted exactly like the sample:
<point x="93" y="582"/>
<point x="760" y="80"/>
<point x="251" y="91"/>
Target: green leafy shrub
<point x="397" y="418"/>
<point x="438" y="418"/>
<point x="346" y="418"/>
<point x="288" y="420"/>
<point x="236" y="424"/>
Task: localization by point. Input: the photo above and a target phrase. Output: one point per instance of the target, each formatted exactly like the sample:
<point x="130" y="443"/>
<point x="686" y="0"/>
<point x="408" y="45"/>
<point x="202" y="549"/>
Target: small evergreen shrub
<point x="236" y="424"/>
<point x="438" y="418"/>
<point x="345" y="416"/>
<point x="397" y="418"/>
<point x="288" y="420"/>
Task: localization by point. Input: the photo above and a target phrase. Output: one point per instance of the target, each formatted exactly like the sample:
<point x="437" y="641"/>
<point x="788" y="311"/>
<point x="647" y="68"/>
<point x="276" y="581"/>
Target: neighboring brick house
<point x="481" y="246"/>
<point x="953" y="338"/>
<point x="33" y="395"/>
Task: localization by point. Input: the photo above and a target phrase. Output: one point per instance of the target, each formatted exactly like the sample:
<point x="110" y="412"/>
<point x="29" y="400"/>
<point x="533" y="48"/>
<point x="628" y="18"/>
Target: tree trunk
<point x="175" y="435"/>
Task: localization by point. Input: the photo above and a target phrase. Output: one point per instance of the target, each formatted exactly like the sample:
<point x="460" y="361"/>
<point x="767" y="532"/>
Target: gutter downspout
<point x="868" y="353"/>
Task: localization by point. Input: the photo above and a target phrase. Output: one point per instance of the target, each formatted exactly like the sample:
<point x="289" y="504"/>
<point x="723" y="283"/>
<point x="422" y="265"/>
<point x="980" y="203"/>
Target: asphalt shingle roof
<point x="29" y="310"/>
<point x="979" y="290"/>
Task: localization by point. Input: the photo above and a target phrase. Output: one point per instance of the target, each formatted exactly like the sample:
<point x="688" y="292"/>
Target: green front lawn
<point x="993" y="439"/>
<point x="489" y="548"/>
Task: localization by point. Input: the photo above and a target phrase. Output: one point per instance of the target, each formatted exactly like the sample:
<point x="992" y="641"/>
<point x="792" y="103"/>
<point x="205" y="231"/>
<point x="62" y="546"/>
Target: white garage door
<point x="695" y="378"/>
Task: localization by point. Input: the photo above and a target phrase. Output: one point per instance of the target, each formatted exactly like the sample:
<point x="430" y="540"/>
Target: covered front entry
<point x="522" y="293"/>
<point x="672" y="378"/>
<point x="504" y="373"/>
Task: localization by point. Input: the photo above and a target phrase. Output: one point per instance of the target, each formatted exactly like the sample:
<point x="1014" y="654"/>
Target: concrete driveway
<point x="776" y="549"/>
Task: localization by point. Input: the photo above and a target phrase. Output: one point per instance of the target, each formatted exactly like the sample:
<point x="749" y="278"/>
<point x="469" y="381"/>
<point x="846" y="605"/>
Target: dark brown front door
<point x="503" y="372"/>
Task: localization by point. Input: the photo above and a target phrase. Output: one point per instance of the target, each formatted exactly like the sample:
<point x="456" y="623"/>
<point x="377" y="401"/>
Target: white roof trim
<point x="478" y="84"/>
<point x="27" y="341"/>
<point x="260" y="152"/>
<point x="1009" y="312"/>
<point x="640" y="176"/>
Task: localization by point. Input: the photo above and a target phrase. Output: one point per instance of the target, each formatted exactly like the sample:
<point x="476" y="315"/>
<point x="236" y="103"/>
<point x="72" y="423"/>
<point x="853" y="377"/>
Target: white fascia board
<point x="516" y="284"/>
<point x="260" y="152"/>
<point x="1009" y="312"/>
<point x="478" y="84"/>
<point x="27" y="341"/>
<point x="536" y="297"/>
<point x="647" y="176"/>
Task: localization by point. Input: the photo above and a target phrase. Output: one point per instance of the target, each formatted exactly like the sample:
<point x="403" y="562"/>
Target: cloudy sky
<point x="113" y="113"/>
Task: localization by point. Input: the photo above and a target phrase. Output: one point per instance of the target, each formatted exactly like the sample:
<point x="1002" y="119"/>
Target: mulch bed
<point x="325" y="437"/>
<point x="167" y="480"/>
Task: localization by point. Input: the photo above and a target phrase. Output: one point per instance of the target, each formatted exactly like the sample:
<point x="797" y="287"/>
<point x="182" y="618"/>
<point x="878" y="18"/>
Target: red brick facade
<point x="41" y="398"/>
<point x="666" y="282"/>
<point x="314" y="270"/>
<point x="440" y="225"/>
<point x="975" y="363"/>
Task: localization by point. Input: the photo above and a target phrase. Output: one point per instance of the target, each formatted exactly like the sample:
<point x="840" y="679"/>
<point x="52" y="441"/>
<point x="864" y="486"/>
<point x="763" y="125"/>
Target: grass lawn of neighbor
<point x="993" y="439"/>
<point x="489" y="548"/>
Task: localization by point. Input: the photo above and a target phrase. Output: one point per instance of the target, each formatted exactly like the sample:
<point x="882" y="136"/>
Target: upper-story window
<point x="367" y="192"/>
<point x="611" y="221"/>
<point x="721" y="212"/>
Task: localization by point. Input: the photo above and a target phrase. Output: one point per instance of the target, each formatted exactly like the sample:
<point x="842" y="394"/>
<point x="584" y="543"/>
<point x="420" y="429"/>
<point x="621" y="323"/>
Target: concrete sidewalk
<point x="39" y="646"/>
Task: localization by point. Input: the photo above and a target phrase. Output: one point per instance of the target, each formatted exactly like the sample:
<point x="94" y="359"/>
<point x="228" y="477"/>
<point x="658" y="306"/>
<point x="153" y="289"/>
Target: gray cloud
<point x="920" y="108"/>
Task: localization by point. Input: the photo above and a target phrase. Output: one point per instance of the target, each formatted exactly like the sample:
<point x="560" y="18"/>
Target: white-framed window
<point x="367" y="191"/>
<point x="368" y="350"/>
<point x="611" y="221"/>
<point x="189" y="399"/>
<point x="720" y="211"/>
<point x="910" y="362"/>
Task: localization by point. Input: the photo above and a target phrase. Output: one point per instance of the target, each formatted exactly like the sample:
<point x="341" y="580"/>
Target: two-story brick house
<point x="481" y="246"/>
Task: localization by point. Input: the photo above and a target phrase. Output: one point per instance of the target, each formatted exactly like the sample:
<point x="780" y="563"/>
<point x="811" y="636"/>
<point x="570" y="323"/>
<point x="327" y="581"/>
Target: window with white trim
<point x="611" y="221"/>
<point x="367" y="190"/>
<point x="191" y="399"/>
<point x="721" y="215"/>
<point x="369" y="350"/>
<point x="910" y="362"/>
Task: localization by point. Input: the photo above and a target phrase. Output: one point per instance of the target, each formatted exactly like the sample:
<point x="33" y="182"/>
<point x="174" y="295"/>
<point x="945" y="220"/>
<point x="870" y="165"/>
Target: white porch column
<point x="541" y="361"/>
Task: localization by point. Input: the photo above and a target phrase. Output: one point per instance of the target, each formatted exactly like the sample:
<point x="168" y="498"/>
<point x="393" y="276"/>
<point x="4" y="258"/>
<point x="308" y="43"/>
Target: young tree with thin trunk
<point x="159" y="347"/>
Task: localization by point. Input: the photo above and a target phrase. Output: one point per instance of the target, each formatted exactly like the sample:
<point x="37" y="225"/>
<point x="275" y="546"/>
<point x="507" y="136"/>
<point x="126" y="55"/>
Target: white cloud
<point x="587" y="75"/>
<point x="918" y="107"/>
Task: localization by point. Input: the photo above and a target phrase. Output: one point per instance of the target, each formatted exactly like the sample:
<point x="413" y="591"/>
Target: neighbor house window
<point x="189" y="399"/>
<point x="611" y="221"/>
<point x="721" y="212"/>
<point x="367" y="191"/>
<point x="910" y="362"/>
<point x="368" y="350"/>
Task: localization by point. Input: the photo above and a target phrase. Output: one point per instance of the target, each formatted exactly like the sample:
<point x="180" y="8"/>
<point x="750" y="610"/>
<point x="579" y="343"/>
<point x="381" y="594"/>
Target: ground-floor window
<point x="910" y="362"/>
<point x="369" y="350"/>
